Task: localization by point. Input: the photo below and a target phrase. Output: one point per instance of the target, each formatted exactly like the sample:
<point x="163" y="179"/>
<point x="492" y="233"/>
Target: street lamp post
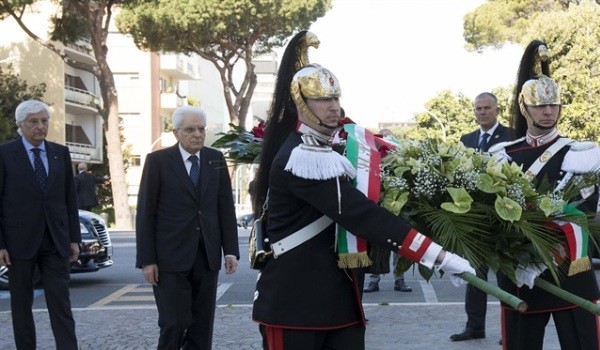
<point x="440" y="122"/>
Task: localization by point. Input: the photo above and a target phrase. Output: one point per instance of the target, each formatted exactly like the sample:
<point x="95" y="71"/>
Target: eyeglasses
<point x="486" y="108"/>
<point x="36" y="122"/>
<point x="191" y="129"/>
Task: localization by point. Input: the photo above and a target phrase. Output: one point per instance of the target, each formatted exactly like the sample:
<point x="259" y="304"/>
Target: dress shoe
<point x="402" y="287"/>
<point x="372" y="287"/>
<point x="467" y="334"/>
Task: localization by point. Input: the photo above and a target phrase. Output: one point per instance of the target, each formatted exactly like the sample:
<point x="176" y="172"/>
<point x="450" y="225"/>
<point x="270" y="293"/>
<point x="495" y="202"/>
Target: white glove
<point x="526" y="275"/>
<point x="454" y="264"/>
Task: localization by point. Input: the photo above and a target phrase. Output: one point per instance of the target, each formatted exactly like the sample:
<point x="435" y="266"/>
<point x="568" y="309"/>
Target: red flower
<point x="259" y="130"/>
<point x="384" y="149"/>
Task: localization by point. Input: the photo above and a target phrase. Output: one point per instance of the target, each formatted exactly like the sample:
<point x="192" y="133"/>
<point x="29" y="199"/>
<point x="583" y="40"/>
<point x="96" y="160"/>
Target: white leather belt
<point x="300" y="236"/>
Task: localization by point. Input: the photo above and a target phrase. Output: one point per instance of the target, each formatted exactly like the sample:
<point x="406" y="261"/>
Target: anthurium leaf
<point x="461" y="201"/>
<point x="394" y="199"/>
<point x="550" y="206"/>
<point x="508" y="209"/>
<point x="487" y="184"/>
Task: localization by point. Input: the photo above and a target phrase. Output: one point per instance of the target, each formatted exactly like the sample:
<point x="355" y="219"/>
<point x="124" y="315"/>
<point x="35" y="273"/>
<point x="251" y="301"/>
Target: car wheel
<point x="37" y="277"/>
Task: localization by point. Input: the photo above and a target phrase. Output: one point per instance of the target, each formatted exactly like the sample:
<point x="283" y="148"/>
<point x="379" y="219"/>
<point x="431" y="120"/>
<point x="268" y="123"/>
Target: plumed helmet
<point x="314" y="82"/>
<point x="534" y="85"/>
<point x="540" y="91"/>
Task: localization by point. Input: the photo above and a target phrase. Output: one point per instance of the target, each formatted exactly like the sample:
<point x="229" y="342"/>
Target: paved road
<point x="125" y="316"/>
<point x="407" y="326"/>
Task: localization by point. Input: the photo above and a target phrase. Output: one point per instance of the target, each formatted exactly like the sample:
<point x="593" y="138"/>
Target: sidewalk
<point x="401" y="326"/>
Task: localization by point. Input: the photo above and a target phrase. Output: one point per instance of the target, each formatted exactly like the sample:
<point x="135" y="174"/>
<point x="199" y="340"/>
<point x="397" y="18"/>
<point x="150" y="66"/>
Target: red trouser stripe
<point x="274" y="338"/>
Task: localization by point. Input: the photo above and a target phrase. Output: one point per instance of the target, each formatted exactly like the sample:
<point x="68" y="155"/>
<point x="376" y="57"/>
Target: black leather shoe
<point x="500" y="341"/>
<point x="467" y="334"/>
<point x="372" y="287"/>
<point x="402" y="287"/>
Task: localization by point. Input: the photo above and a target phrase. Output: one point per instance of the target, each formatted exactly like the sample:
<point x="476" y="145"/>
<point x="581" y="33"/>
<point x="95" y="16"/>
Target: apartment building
<point x="73" y="94"/>
<point x="150" y="87"/>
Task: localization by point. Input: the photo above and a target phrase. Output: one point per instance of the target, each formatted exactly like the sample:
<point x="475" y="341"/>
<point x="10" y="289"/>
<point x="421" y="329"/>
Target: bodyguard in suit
<point x="85" y="183"/>
<point x="186" y="220"/>
<point x="39" y="225"/>
<point x="489" y="133"/>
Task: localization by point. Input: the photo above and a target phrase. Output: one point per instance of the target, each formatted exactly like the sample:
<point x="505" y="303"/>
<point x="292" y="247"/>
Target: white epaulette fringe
<point x="583" y="157"/>
<point x="318" y="163"/>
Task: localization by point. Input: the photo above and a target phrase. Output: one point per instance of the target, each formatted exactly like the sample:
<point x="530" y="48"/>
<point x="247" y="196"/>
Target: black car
<point x="95" y="249"/>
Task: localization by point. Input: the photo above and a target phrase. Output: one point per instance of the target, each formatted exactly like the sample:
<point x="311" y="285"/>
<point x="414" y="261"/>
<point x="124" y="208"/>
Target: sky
<point x="392" y="56"/>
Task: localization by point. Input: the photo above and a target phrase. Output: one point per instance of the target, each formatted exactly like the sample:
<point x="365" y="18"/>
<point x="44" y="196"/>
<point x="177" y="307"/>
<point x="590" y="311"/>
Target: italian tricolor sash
<point x="577" y="239"/>
<point x="362" y="153"/>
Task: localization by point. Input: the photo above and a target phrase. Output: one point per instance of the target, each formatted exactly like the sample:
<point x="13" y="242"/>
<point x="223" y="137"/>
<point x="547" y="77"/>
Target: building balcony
<point x="81" y="51"/>
<point x="178" y="67"/>
<point x="81" y="100"/>
<point x="84" y="153"/>
<point x="170" y="101"/>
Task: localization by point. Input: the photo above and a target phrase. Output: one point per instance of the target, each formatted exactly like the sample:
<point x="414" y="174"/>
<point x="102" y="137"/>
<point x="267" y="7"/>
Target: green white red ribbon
<point x="577" y="239"/>
<point x="362" y="152"/>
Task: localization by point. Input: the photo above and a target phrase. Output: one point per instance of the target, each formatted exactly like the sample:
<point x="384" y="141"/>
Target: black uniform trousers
<point x="186" y="306"/>
<point x="476" y="303"/>
<point x="575" y="327"/>
<point x="55" y="272"/>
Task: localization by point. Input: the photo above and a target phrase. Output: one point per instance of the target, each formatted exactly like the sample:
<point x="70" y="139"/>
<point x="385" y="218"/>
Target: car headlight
<point x="82" y="228"/>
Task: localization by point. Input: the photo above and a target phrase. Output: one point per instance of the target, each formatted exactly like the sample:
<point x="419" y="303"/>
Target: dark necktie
<point x="484" y="140"/>
<point x="195" y="169"/>
<point x="38" y="168"/>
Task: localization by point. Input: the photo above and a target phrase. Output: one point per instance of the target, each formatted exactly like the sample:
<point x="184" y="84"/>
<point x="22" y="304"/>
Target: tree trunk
<point x="123" y="219"/>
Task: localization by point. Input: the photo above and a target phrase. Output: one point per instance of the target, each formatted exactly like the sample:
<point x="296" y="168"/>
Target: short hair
<point x="181" y="112"/>
<point x="488" y="94"/>
<point x="29" y="107"/>
<point x="82" y="166"/>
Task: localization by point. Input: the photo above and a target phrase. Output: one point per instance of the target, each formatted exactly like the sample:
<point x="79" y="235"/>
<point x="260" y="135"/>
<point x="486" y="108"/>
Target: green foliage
<point x="455" y="111"/>
<point x="572" y="31"/>
<point x="223" y="32"/>
<point x="241" y="146"/>
<point x="472" y="204"/>
<point x="12" y="92"/>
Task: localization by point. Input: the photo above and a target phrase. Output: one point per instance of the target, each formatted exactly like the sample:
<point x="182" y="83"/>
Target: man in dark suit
<point x="186" y="220"/>
<point x="39" y="225"/>
<point x="489" y="133"/>
<point x="85" y="183"/>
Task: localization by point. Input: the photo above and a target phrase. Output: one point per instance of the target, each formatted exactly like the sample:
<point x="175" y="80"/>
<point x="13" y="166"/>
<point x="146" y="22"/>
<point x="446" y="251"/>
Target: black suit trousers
<point x="186" y="304"/>
<point x="476" y="303"/>
<point x="55" y="274"/>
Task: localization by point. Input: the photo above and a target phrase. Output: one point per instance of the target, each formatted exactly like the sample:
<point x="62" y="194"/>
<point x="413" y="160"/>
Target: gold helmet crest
<point x="314" y="82"/>
<point x="541" y="89"/>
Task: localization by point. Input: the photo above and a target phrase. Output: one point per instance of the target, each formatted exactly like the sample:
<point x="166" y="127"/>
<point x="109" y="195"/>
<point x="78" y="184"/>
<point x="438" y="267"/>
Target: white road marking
<point x="114" y="296"/>
<point x="428" y="292"/>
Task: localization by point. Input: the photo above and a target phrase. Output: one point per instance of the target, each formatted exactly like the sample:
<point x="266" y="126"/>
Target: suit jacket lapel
<point x="54" y="162"/>
<point x="176" y="163"/>
<point x="22" y="160"/>
<point x="497" y="136"/>
<point x="204" y="171"/>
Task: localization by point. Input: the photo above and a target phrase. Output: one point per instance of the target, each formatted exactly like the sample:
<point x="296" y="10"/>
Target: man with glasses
<point x="186" y="220"/>
<point x="39" y="226"/>
<point x="490" y="132"/>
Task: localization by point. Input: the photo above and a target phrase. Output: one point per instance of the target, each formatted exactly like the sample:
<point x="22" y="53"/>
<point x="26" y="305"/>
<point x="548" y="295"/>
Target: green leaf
<point x="508" y="209"/>
<point x="550" y="206"/>
<point x="394" y="201"/>
<point x="486" y="184"/>
<point x="461" y="201"/>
